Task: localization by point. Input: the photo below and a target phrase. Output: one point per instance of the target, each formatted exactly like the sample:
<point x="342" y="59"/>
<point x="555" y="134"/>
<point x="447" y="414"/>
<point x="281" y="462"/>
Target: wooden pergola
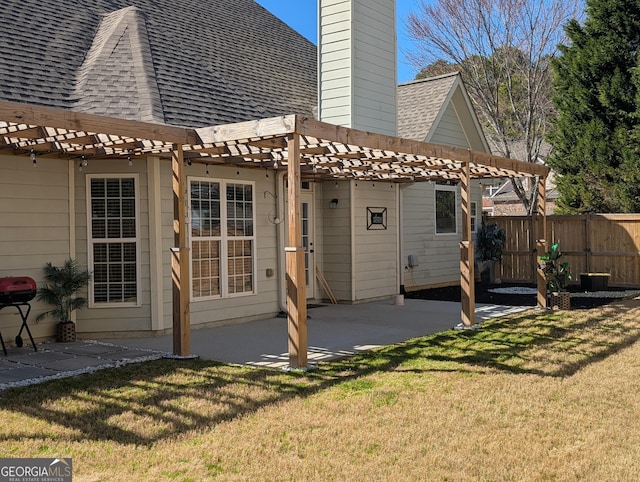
<point x="308" y="150"/>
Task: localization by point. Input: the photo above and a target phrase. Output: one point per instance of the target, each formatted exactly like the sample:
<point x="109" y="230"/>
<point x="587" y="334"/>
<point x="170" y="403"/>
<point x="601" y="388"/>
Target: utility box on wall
<point x="413" y="261"/>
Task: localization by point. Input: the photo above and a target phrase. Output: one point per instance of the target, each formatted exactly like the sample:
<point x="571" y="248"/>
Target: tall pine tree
<point x="597" y="131"/>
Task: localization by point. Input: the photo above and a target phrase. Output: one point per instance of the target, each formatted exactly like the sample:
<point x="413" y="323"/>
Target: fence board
<point x="597" y="243"/>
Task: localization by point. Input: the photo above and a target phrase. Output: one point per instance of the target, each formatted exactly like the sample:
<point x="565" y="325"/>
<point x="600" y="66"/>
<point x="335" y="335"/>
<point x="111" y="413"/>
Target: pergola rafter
<point x="309" y="150"/>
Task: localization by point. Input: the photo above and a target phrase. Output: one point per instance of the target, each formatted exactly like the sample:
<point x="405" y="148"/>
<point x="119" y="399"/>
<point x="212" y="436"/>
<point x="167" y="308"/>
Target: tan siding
<point x="34" y="218"/>
<point x="265" y="302"/>
<point x="336" y="239"/>
<point x="105" y="319"/>
<point x="375" y="250"/>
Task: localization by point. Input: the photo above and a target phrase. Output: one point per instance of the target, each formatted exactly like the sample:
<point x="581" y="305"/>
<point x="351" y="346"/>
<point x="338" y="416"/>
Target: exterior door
<point x="308" y="241"/>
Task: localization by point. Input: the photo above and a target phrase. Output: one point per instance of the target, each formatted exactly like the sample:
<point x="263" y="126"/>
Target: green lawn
<point x="535" y="396"/>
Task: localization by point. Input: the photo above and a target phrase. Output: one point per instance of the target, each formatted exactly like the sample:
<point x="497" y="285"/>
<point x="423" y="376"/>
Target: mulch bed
<point x="484" y="295"/>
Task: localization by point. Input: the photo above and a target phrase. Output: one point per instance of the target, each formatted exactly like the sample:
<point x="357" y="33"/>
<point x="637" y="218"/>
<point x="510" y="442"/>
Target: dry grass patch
<point x="535" y="396"/>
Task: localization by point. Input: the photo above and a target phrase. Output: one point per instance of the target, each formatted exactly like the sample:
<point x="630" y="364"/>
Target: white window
<point x="113" y="234"/>
<point x="446" y="203"/>
<point x="223" y="244"/>
<point x="474" y="216"/>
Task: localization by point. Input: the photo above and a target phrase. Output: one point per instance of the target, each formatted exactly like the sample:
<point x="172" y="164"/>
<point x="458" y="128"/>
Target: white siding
<point x="449" y="131"/>
<point x="335" y="62"/>
<point x="374" y="66"/>
<point x="438" y="255"/>
<point x="357" y="55"/>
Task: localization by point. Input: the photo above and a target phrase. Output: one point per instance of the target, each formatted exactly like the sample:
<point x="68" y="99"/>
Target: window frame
<point x="91" y="241"/>
<point x="446" y="188"/>
<point x="224" y="239"/>
<point x="473" y="214"/>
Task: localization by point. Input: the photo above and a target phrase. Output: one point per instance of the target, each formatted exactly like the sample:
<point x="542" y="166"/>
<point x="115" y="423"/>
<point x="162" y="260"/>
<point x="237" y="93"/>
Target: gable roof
<point x="180" y="62"/>
<point x="505" y="192"/>
<point x="423" y="103"/>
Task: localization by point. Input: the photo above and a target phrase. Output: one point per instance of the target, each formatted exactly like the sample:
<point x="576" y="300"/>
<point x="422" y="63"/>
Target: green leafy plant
<point x="61" y="290"/>
<point x="556" y="273"/>
<point x="490" y="241"/>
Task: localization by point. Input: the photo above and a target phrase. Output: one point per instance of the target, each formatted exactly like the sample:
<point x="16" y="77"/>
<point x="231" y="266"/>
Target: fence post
<point x="587" y="242"/>
<point x="541" y="243"/>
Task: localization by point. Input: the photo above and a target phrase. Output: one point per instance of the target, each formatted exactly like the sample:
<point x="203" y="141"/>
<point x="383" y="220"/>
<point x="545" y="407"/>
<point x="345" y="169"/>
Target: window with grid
<point x="113" y="240"/>
<point x="222" y="238"/>
<point x="474" y="216"/>
<point x="446" y="222"/>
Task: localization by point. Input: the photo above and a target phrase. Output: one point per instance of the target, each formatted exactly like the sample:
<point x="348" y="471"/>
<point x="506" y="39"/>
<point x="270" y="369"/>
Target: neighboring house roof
<point x="182" y="62"/>
<point x="519" y="150"/>
<point x="505" y="192"/>
<point x="423" y="103"/>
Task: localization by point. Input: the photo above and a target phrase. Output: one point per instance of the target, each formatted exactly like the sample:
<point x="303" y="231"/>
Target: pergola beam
<point x="298" y="144"/>
<point x="66" y="119"/>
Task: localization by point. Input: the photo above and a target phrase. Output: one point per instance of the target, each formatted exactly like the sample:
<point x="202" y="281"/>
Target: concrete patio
<point x="334" y="331"/>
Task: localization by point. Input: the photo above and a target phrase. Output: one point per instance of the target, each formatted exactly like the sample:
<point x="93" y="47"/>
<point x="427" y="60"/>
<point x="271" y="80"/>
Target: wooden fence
<point x="594" y="243"/>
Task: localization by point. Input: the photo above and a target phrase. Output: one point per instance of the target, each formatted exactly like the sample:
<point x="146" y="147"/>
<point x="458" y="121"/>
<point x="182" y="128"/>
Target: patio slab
<point x="334" y="331"/>
<point x="24" y="372"/>
<point x="23" y="367"/>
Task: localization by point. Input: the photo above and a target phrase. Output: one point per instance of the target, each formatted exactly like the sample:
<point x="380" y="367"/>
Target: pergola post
<point x="180" y="259"/>
<point x="467" y="276"/>
<point x="541" y="243"/>
<point x="295" y="269"/>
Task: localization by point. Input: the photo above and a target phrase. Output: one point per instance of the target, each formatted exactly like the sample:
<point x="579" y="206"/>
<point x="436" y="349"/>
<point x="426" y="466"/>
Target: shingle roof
<point x="182" y="62"/>
<point x="420" y="102"/>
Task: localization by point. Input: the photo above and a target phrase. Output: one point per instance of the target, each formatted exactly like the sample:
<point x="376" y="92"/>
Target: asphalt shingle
<point x="419" y="103"/>
<point x="183" y="62"/>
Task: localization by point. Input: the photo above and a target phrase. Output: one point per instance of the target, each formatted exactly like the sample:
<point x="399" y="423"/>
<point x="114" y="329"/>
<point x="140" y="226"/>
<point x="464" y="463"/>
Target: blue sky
<point x="302" y="16"/>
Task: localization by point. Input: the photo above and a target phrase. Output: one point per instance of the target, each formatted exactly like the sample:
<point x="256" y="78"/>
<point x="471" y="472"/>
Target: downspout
<point x="399" y="239"/>
<point x="72" y="220"/>
<point x="280" y="235"/>
<point x="72" y="209"/>
<point x="352" y="221"/>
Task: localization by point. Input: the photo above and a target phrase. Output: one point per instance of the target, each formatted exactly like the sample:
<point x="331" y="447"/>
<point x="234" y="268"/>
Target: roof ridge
<point x="431" y="79"/>
<point x="120" y="50"/>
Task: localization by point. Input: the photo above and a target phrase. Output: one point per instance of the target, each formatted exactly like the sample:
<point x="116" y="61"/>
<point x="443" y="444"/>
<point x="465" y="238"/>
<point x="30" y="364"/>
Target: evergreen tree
<point x="597" y="130"/>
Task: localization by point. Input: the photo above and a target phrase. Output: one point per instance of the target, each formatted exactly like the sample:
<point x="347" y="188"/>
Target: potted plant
<point x="558" y="276"/>
<point x="490" y="240"/>
<point x="61" y="288"/>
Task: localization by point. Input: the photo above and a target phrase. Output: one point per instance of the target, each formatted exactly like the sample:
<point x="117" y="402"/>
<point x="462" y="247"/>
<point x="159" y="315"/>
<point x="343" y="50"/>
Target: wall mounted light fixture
<point x="333" y="204"/>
